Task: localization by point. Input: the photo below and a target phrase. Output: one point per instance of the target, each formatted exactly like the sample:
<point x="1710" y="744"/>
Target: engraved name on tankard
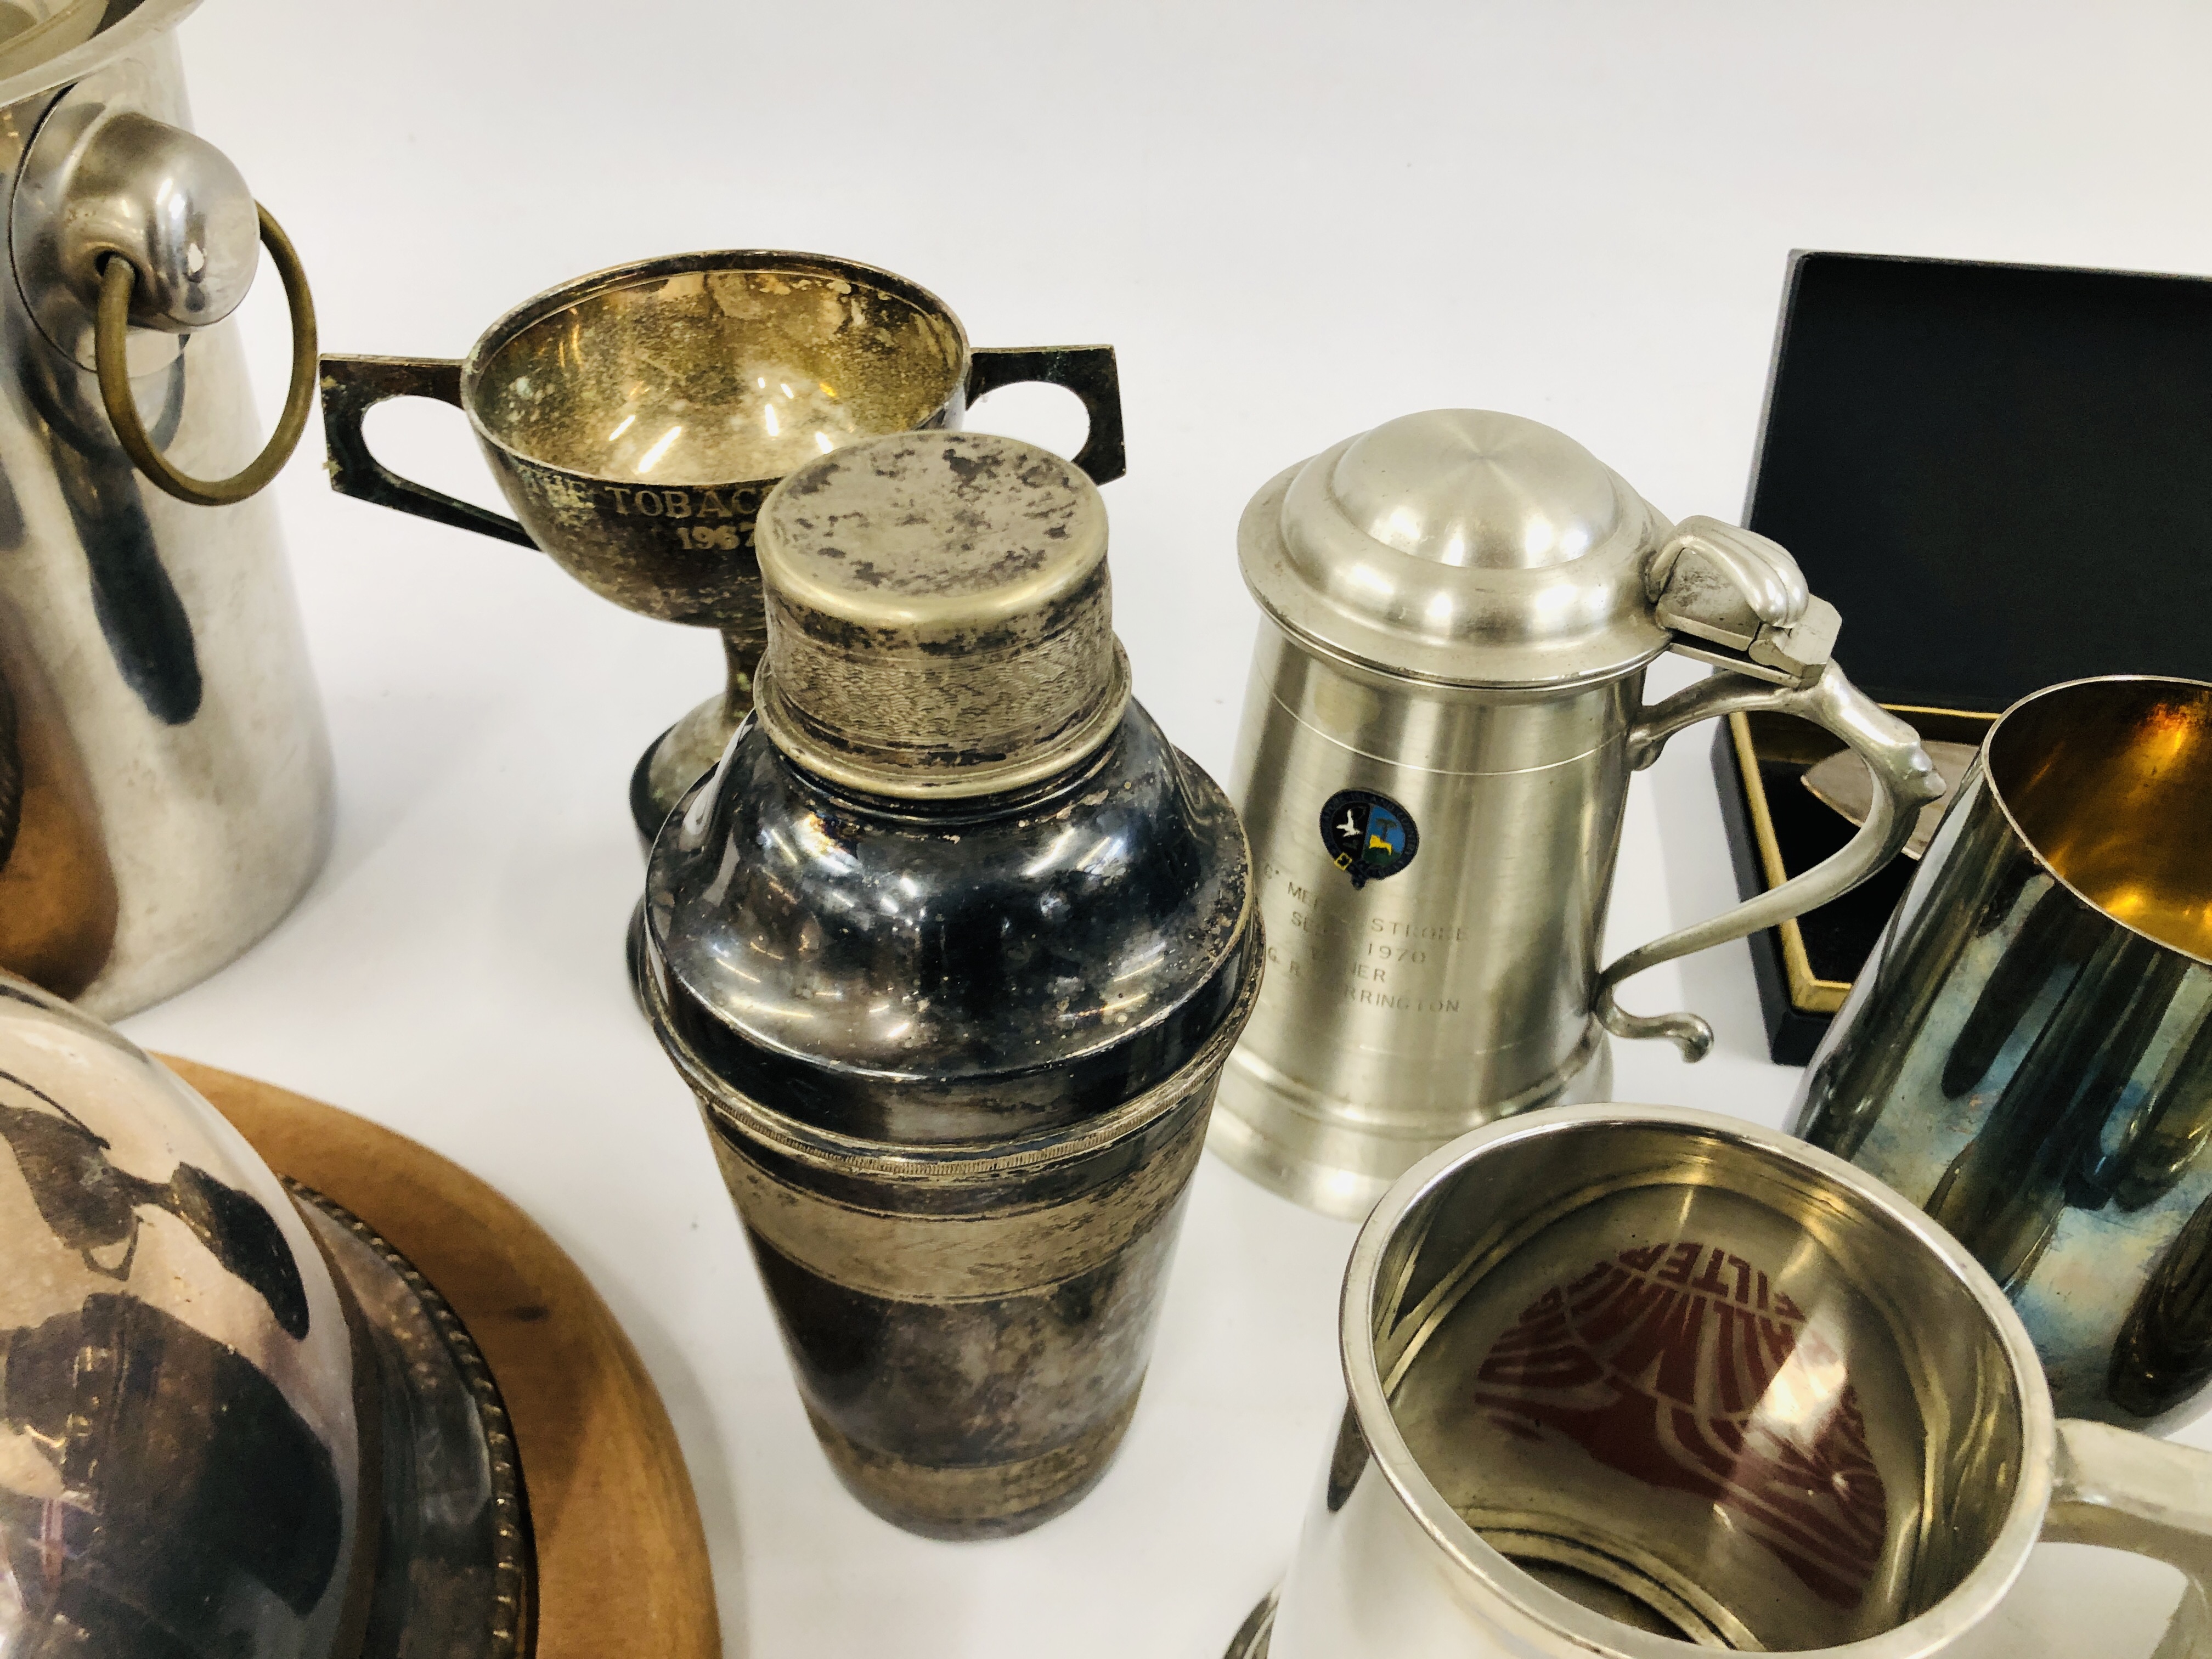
<point x="1444" y="708"/>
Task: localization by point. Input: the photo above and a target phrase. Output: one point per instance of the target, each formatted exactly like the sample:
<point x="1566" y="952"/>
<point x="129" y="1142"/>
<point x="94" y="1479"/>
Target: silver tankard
<point x="2028" y="1055"/>
<point x="1624" y="1378"/>
<point x="1444" y="708"/>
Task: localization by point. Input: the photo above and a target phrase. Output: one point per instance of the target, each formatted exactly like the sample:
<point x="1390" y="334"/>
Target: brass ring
<point x="118" y="277"/>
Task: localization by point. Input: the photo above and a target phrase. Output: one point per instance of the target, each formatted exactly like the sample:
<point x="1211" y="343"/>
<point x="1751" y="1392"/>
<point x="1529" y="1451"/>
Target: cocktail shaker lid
<point x="939" y="619"/>
<point x="1460" y="546"/>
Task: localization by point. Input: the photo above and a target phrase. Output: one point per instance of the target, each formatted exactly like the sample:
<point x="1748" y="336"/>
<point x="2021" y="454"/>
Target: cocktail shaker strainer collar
<point x="939" y="617"/>
<point x="1466" y="547"/>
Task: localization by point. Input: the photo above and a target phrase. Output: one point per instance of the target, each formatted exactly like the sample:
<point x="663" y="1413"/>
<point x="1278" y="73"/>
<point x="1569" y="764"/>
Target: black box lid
<point x="2000" y="475"/>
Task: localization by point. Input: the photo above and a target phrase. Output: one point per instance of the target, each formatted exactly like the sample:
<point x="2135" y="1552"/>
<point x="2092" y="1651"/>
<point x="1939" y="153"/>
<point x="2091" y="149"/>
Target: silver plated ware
<point x="952" y="947"/>
<point x="165" y="778"/>
<point x="1623" y="1379"/>
<point x="2029" y="1054"/>
<point x="636" y="418"/>
<point x="1443" y="713"/>
<point x="234" y="1423"/>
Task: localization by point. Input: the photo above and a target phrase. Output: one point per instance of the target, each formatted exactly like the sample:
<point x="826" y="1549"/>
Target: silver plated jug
<point x="1444" y="710"/>
<point x="165" y="779"/>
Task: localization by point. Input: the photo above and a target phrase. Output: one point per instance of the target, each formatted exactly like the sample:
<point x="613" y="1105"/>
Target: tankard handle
<point x="2128" y="1492"/>
<point x="1087" y="370"/>
<point x="353" y="385"/>
<point x="1890" y="747"/>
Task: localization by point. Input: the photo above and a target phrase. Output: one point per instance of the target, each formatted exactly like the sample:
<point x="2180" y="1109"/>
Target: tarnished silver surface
<point x="230" y="1428"/>
<point x="955" y="1052"/>
<point x="173" y="780"/>
<point x="1842" y="781"/>
<point x="902" y="666"/>
<point x="1443" y="713"/>
<point x="1625" y="1378"/>
<point x="2029" y="1054"/>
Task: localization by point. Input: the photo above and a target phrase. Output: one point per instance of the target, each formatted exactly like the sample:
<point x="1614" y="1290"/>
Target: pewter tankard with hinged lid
<point x="1444" y="710"/>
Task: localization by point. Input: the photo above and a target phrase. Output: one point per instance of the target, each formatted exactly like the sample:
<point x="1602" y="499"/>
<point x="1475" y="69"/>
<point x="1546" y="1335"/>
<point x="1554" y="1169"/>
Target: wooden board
<point x="622" y="1560"/>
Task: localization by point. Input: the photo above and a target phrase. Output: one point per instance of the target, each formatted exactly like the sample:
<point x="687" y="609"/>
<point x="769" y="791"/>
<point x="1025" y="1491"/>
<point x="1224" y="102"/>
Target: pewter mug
<point x="1444" y="710"/>
<point x="1627" y="1377"/>
<point x="2028" y="1052"/>
<point x="635" y="419"/>
<point x="165" y="778"/>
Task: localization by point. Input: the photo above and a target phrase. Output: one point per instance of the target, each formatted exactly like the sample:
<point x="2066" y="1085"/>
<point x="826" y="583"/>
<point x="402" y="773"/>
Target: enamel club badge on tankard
<point x="1369" y="836"/>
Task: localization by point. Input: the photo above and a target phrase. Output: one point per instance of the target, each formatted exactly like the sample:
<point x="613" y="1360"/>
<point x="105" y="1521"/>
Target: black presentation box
<point x="2001" y="476"/>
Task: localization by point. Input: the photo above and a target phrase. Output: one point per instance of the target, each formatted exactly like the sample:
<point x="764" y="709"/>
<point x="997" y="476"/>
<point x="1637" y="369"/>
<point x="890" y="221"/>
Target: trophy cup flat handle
<point x="2128" y="1492"/>
<point x="1087" y="370"/>
<point x="1907" y="780"/>
<point x="353" y="385"/>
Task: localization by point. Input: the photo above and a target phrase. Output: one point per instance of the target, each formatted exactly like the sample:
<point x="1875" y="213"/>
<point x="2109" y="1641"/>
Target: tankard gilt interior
<point x="2109" y="783"/>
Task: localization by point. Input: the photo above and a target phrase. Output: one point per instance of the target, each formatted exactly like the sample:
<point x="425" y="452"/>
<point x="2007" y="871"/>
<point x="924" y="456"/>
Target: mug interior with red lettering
<point x="1622" y="1377"/>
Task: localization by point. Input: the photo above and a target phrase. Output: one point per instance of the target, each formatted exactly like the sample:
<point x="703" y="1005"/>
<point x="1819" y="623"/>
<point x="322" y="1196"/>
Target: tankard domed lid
<point x="228" y="1424"/>
<point x="1462" y="546"/>
<point x="940" y="622"/>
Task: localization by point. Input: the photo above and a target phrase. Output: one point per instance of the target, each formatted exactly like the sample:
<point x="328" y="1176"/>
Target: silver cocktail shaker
<point x="952" y="947"/>
<point x="1445" y="709"/>
<point x="165" y="782"/>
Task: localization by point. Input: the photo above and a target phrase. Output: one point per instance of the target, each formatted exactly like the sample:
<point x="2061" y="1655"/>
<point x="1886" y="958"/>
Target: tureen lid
<point x="229" y="1427"/>
<point x="1463" y="546"/>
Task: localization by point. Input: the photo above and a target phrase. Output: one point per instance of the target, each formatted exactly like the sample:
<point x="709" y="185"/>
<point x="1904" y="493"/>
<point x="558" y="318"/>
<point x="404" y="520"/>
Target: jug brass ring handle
<point x="117" y="276"/>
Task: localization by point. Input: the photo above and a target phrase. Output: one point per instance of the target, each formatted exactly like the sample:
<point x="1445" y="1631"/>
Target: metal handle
<point x="2129" y="1491"/>
<point x="1900" y="766"/>
<point x="353" y="385"/>
<point x="111" y="345"/>
<point x="1087" y="370"/>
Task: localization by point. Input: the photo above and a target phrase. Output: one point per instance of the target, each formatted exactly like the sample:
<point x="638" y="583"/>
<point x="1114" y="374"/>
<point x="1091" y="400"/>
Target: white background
<point x="1294" y="222"/>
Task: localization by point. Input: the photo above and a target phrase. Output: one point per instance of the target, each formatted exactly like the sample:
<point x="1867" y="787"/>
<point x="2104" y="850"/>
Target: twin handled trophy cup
<point x="635" y="419"/>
